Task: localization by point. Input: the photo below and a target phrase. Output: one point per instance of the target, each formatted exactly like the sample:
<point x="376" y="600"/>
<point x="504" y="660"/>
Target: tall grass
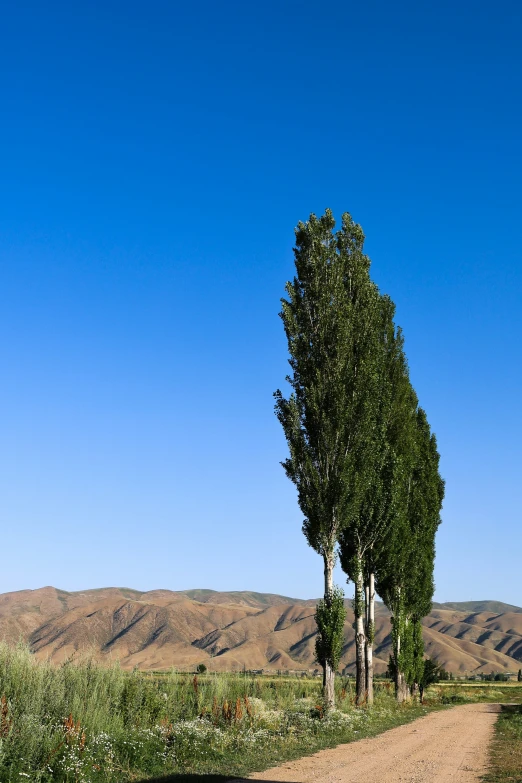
<point x="84" y="722"/>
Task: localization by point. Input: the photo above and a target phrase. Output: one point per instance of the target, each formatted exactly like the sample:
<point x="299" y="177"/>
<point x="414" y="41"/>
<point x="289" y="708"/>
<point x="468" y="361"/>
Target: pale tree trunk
<point x="370" y="632"/>
<point x="399" y="677"/>
<point x="401" y="688"/>
<point x="360" y="637"/>
<point x="402" y="692"/>
<point x="366" y="619"/>
<point x="328" y="673"/>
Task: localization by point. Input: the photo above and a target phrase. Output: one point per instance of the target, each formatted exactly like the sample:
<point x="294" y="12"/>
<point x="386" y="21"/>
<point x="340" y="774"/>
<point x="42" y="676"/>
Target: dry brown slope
<point x="483" y="636"/>
<point x="244" y="597"/>
<point x="125" y="629"/>
<point x="24" y="611"/>
<point x="162" y="628"/>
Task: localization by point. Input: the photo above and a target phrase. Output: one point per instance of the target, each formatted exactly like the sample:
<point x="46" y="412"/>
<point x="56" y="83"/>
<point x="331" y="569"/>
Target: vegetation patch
<point x="444" y="693"/>
<point x="506" y="749"/>
<point x="82" y="722"/>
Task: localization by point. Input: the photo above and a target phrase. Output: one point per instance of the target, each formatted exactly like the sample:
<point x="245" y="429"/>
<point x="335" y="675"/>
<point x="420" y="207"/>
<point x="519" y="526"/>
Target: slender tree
<point x="430" y="674"/>
<point x="330" y="318"/>
<point x="405" y="570"/>
<point x="417" y="665"/>
<point x="361" y="541"/>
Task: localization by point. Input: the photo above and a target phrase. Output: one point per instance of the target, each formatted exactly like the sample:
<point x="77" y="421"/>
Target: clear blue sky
<point x="155" y="158"/>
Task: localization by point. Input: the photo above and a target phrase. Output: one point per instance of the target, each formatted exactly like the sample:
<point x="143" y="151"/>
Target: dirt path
<point x="445" y="746"/>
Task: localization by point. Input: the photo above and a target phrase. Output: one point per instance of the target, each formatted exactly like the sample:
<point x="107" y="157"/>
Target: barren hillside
<point x="161" y="629"/>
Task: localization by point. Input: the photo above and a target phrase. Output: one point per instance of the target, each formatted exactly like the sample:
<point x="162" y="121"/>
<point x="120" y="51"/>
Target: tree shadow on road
<point x="512" y="709"/>
<point x="182" y="778"/>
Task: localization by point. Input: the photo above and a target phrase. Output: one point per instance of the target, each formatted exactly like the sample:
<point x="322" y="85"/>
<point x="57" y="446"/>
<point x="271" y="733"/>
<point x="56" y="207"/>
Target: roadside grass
<point x="81" y="722"/>
<point x="506" y="748"/>
<point x="463" y="693"/>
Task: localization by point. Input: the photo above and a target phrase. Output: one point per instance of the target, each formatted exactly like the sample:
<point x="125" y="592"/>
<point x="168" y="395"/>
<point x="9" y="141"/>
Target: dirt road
<point x="441" y="747"/>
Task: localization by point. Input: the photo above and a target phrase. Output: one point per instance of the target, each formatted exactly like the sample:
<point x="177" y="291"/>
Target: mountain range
<point x="227" y="631"/>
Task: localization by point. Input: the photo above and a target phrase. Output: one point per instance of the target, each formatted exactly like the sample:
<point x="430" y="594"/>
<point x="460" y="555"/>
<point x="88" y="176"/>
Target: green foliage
<point x="355" y="569"/>
<point x="201" y="668"/>
<point x="363" y="540"/>
<point x="495" y="677"/>
<point x="332" y="318"/>
<point x="455" y="696"/>
<point x="405" y="567"/>
<point x="406" y="655"/>
<point x="393" y="534"/>
<point x="391" y="671"/>
<point x="85" y="723"/>
<point x="416" y="674"/>
<point x="370" y="633"/>
<point x="431" y="672"/>
<point x="505" y="762"/>
<point x="362" y="455"/>
<point x="447" y="693"/>
<point x="410" y="660"/>
<point x="330" y="616"/>
<point x="330" y="321"/>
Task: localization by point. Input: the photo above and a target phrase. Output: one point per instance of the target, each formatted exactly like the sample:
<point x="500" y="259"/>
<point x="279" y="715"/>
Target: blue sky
<point x="155" y="159"/>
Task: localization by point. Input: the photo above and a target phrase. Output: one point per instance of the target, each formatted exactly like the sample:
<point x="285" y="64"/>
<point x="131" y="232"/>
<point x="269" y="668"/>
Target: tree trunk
<point x="360" y="638"/>
<point x="402" y="692"/>
<point x="400" y="683"/>
<point x="370" y="633"/>
<point x="328" y="673"/>
<point x="366" y="621"/>
<point x="401" y="688"/>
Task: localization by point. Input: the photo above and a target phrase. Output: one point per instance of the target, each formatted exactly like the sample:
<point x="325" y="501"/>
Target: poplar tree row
<point x="361" y="452"/>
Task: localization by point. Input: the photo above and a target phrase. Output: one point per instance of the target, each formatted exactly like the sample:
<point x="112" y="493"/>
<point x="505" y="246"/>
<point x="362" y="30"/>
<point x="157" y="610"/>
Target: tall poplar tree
<point x="405" y="570"/>
<point x="361" y="541"/>
<point x="331" y="319"/>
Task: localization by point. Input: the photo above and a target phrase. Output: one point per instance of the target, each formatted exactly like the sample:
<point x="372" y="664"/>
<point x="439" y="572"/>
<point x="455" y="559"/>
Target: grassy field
<point x="88" y="723"/>
<point x="83" y="722"/>
<point x="455" y="693"/>
<point x="506" y="750"/>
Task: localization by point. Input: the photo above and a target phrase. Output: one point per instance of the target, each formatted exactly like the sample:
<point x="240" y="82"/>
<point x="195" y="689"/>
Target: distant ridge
<point x="246" y="597"/>
<point x="236" y="630"/>
<point x="257" y="600"/>
<point x="478" y="606"/>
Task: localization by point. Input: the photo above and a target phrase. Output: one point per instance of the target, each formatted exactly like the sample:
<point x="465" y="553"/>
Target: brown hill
<point x="227" y="631"/>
